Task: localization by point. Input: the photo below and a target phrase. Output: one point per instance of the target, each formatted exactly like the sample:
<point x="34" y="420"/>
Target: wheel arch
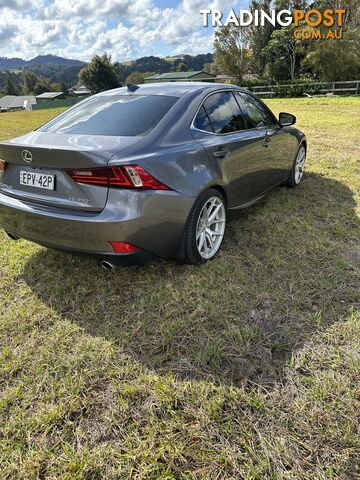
<point x="221" y="190"/>
<point x="303" y="143"/>
<point x="181" y="252"/>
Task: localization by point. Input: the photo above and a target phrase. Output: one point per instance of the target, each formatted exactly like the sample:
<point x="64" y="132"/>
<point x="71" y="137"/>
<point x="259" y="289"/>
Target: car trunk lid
<point x="38" y="156"/>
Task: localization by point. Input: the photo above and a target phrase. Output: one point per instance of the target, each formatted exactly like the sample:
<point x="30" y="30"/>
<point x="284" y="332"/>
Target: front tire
<point x="205" y="227"/>
<point x="297" y="171"/>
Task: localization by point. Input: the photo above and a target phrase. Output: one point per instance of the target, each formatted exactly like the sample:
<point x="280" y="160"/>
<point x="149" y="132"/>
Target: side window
<point x="257" y="115"/>
<point x="224" y="113"/>
<point x="202" y="121"/>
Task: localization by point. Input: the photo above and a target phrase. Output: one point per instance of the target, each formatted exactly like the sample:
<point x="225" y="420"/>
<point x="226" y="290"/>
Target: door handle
<point x="267" y="143"/>
<point x="221" y="152"/>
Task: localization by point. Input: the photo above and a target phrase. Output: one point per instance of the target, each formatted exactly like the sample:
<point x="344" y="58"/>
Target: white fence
<point x="342" y="88"/>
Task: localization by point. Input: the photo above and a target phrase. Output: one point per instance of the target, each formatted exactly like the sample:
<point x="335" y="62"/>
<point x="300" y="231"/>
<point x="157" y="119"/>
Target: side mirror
<point x="286" y="119"/>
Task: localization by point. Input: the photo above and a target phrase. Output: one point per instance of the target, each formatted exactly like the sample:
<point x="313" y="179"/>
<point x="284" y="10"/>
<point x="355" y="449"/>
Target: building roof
<point x="180" y="75"/>
<point x="79" y="90"/>
<point x="50" y="95"/>
<point x="12" y="101"/>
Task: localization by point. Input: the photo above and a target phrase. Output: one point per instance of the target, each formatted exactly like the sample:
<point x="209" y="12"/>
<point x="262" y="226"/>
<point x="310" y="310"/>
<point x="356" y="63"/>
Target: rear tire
<point x="298" y="168"/>
<point x="205" y="227"/>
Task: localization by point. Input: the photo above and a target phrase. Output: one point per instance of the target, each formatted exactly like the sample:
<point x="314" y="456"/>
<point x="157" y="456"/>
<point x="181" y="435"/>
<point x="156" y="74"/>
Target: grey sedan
<point x="146" y="171"/>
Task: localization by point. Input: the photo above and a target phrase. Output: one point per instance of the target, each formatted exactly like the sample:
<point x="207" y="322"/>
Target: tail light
<point x="3" y="166"/>
<point x="120" y="247"/>
<point x="128" y="176"/>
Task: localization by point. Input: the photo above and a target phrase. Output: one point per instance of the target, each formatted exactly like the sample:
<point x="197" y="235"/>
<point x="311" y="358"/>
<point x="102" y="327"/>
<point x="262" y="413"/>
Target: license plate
<point x="37" y="180"/>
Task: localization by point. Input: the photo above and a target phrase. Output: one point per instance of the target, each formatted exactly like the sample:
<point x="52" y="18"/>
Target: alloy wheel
<point x="210" y="227"/>
<point x="300" y="165"/>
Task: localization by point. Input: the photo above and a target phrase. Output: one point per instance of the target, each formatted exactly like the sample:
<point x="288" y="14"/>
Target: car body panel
<point x="84" y="148"/>
<point x="279" y="154"/>
<point x="153" y="221"/>
<point x="241" y="165"/>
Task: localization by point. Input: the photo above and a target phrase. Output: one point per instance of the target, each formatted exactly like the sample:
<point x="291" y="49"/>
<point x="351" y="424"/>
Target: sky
<point x="127" y="29"/>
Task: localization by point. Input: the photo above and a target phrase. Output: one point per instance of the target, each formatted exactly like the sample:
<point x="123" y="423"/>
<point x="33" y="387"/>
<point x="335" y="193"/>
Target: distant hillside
<point x="15" y="63"/>
<point x="164" y="65"/>
<point x="63" y="74"/>
<point x="66" y="71"/>
<point x="53" y="60"/>
<point x="11" y="63"/>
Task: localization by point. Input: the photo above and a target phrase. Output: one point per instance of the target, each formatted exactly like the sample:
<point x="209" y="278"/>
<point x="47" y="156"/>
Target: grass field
<point x="245" y="368"/>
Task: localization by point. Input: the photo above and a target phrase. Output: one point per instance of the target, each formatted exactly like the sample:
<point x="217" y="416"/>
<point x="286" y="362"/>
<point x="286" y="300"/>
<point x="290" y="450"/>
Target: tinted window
<point x="224" y="113"/>
<point x="117" y="115"/>
<point x="202" y="121"/>
<point x="257" y="115"/>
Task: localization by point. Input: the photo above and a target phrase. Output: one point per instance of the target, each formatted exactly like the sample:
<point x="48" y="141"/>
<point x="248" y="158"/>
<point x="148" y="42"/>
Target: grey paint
<point x="84" y="218"/>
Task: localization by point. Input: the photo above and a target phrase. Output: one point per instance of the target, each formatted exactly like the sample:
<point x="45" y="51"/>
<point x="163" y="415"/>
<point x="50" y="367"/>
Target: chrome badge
<point x="27" y="156"/>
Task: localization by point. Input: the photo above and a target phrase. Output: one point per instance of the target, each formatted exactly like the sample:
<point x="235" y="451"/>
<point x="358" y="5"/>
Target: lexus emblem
<point x="26" y="156"/>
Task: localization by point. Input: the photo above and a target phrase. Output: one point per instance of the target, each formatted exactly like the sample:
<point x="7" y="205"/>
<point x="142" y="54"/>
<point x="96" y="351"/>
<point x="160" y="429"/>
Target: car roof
<point x="174" y="89"/>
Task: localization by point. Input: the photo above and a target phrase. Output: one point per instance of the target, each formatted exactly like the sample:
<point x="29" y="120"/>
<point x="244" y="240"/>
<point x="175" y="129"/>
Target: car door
<point x="278" y="144"/>
<point x="221" y="128"/>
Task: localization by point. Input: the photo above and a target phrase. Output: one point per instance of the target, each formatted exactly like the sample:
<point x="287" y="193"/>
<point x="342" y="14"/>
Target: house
<point x="16" y="102"/>
<point x="50" y="96"/>
<point x="181" y="77"/>
<point x="79" y="91"/>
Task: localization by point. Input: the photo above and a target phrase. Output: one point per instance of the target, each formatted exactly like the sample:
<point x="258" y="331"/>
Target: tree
<point x="283" y="54"/>
<point x="231" y="52"/>
<point x="212" y="68"/>
<point x="265" y="58"/>
<point x="259" y="37"/>
<point x="34" y="84"/>
<point x="336" y="60"/>
<point x="352" y="10"/>
<point x="137" y="77"/>
<point x="180" y="67"/>
<point x="101" y="74"/>
<point x="56" y="87"/>
<point x="41" y="86"/>
<point x="9" y="88"/>
<point x="29" y="80"/>
<point x="197" y="62"/>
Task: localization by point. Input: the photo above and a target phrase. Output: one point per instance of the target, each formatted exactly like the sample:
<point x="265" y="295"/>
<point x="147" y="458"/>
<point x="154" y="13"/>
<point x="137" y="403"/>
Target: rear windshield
<point x="115" y="115"/>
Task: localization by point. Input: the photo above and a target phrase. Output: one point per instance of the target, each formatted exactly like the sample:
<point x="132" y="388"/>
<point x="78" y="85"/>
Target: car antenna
<point x="132" y="87"/>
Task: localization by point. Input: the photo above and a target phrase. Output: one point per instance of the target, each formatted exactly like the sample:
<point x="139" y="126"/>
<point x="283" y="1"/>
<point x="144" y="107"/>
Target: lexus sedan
<point x="146" y="171"/>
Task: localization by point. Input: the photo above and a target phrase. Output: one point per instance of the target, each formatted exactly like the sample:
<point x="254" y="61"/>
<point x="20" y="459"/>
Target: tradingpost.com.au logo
<point x="308" y="22"/>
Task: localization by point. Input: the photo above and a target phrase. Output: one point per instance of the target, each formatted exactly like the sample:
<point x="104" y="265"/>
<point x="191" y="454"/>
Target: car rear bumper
<point x="154" y="221"/>
<point x="139" y="257"/>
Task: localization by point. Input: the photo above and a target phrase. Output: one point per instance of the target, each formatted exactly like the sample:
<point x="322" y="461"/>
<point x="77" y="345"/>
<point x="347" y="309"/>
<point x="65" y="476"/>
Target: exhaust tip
<point x="11" y="235"/>
<point x="106" y="265"/>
